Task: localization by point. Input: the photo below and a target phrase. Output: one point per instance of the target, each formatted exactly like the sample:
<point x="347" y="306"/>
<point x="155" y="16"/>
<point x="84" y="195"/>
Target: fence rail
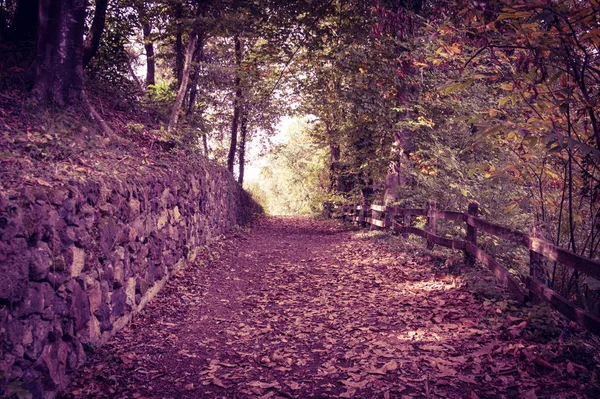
<point x="398" y="219"/>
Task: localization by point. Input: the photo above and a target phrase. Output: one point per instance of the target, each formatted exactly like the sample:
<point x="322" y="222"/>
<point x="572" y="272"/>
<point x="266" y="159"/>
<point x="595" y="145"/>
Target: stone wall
<point x="78" y="259"/>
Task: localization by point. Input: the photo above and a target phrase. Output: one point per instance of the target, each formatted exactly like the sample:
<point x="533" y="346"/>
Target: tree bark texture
<point x="92" y="41"/>
<point x="198" y="57"/>
<point x="58" y="65"/>
<point x="184" y="83"/>
<point x="242" y="149"/>
<point x="237" y="104"/>
<point x="179" y="52"/>
<point x="149" y="47"/>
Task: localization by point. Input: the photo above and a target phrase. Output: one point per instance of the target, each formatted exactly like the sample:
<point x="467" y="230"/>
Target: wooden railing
<point x="398" y="220"/>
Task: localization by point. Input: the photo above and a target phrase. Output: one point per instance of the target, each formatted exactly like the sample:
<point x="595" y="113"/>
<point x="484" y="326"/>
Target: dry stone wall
<point x="77" y="260"/>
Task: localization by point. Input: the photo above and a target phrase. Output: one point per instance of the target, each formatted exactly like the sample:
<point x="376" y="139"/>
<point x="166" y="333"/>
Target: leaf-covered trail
<point x="299" y="308"/>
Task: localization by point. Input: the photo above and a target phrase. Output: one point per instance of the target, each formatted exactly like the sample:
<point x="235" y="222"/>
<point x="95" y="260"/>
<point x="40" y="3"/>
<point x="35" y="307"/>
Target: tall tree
<point x="58" y="62"/>
<point x="184" y="82"/>
<point x="92" y="41"/>
<point x="237" y="103"/>
<point x="242" y="146"/>
<point x="149" y="47"/>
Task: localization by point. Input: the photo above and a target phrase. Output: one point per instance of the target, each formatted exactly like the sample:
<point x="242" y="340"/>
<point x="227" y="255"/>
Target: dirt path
<point x="299" y="308"/>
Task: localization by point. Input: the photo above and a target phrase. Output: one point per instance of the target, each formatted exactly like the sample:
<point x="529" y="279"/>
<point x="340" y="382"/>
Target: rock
<point x="40" y="262"/>
<point x="57" y="195"/>
<point x="15" y="331"/>
<point x="109" y="233"/>
<point x="118" y="274"/>
<point x="67" y="208"/>
<point x="94" y="294"/>
<point x="39" y="296"/>
<point x="32" y="382"/>
<point x="79" y="308"/>
<point x="77" y="264"/>
<point x="56" y="279"/>
<point x="94" y="333"/>
<point x="119" y="301"/>
<point x="60" y="306"/>
<point x="40" y="329"/>
<point x="130" y="291"/>
<point x="142" y="286"/>
<point x="53" y="364"/>
<point x="88" y="216"/>
<point x="103" y="315"/>
<point x="76" y="261"/>
<point x="14" y="273"/>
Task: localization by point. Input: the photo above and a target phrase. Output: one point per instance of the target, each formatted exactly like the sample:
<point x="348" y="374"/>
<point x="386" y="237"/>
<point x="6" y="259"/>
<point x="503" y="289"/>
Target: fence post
<point x="364" y="212"/>
<point x="536" y="261"/>
<point x="471" y="233"/>
<point x="373" y="216"/>
<point x="387" y="217"/>
<point x="430" y="222"/>
<point x="406" y="218"/>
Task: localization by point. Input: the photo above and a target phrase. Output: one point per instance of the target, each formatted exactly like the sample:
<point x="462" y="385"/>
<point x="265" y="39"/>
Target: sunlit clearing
<point x="291" y="178"/>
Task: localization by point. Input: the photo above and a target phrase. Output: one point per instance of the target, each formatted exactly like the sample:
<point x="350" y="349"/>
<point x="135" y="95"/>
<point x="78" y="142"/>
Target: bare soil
<point x="302" y="308"/>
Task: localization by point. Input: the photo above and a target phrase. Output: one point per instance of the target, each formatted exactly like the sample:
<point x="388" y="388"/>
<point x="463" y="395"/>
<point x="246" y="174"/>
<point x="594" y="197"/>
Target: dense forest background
<point x="395" y="101"/>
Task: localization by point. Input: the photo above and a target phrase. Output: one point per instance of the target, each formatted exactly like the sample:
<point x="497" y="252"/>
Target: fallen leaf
<point x="543" y="363"/>
<point x="353" y="384"/>
<point x="43" y="182"/>
<point x="467" y="378"/>
<point x="348" y="394"/>
<point x="390" y="366"/>
<point x="486" y="350"/>
<point x="218" y="383"/>
<point x="432" y="348"/>
<point x="264" y="385"/>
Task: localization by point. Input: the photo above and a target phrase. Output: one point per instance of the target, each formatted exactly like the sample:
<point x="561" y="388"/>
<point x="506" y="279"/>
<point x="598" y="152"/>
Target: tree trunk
<point x="237" y="104"/>
<point x="395" y="175"/>
<point x="149" y="47"/>
<point x="58" y="65"/>
<point x="205" y="144"/>
<point x="242" y="149"/>
<point x="92" y="41"/>
<point x="179" y="52"/>
<point x="334" y="159"/>
<point x="198" y="56"/>
<point x="184" y="83"/>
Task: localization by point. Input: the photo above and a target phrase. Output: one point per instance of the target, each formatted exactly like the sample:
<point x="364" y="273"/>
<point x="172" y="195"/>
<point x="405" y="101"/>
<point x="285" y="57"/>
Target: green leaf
<point x="504" y="100"/>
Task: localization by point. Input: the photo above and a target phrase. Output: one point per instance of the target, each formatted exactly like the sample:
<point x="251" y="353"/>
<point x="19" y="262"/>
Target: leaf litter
<point x="302" y="308"/>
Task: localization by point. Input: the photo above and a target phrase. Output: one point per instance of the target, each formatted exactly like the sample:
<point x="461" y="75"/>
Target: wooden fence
<point x="398" y="219"/>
